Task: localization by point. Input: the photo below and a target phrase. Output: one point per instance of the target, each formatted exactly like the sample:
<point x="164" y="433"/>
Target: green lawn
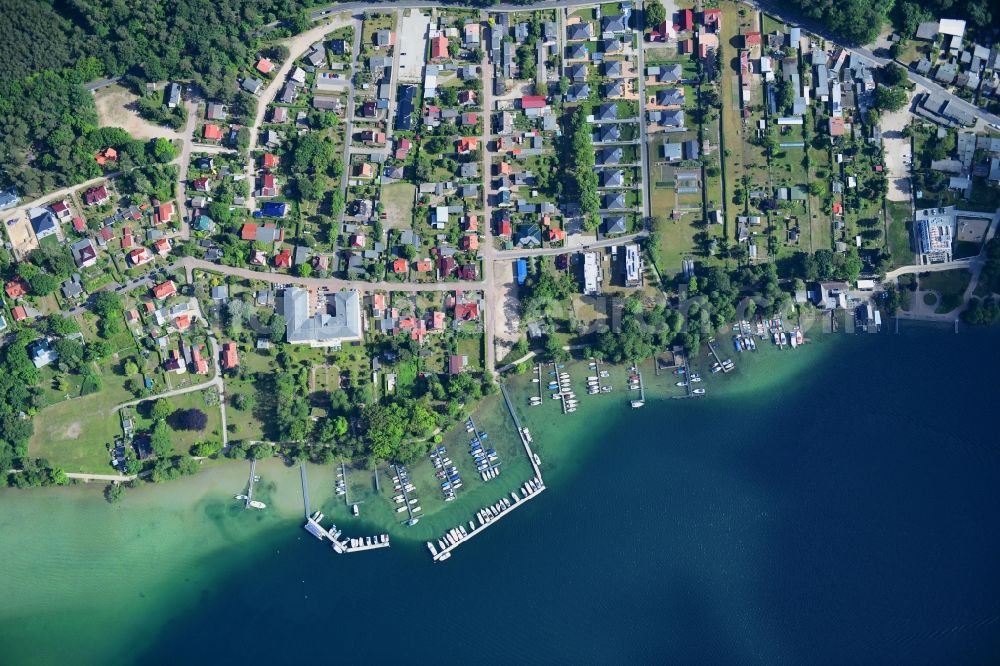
<point x="899" y="234"/>
<point x="950" y="285"/>
<point x="74" y="433"/>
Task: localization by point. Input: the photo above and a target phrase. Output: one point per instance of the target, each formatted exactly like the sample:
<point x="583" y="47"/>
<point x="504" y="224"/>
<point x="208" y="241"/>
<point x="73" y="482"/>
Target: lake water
<point x="836" y="503"/>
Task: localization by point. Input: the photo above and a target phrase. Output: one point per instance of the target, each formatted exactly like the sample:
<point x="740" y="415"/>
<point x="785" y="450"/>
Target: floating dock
<point x="486" y="516"/>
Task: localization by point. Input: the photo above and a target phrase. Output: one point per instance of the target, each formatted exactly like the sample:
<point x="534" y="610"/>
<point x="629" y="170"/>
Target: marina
<point x="341" y="546"/>
<point x="485" y="517"/>
<point x="635" y="383"/>
<point x="402" y="485"/>
<point x="487" y="459"/>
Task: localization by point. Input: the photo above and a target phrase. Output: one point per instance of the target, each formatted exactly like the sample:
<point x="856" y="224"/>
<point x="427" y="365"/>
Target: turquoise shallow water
<point x="833" y="504"/>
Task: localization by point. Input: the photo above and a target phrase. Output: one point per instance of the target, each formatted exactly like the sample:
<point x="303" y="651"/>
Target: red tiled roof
<point x="213" y="132"/>
<point x="439" y="47"/>
<point x="467" y="311"/>
<point x="532" y="102"/>
<point x="283" y="259"/>
<point x="230" y="356"/>
<point x="164" y="289"/>
<point x="16" y="288"/>
<point x="19" y="313"/>
<point x="249" y="231"/>
<point x="264" y="66"/>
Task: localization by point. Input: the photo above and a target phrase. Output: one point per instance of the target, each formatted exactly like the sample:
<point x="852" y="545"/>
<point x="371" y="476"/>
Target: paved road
<point x="410" y="4"/>
<point x="187" y="145"/>
<point x="490" y="295"/>
<point x="101" y="83"/>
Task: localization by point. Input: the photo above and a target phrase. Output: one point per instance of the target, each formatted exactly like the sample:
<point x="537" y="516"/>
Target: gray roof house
<point x="613" y="68"/>
<point x="612" y="178"/>
<point x="614" y="89"/>
<point x="324" y="329"/>
<point x="610" y="156"/>
<point x="577" y="52"/>
<point x="578" y="92"/>
<point x="672" y="152"/>
<point x="670" y="96"/>
<point x="579" y="31"/>
<point x="671" y="73"/>
<point x="614" y="224"/>
<point x="607" y="112"/>
<point x="252" y="85"/>
<point x="614" y="201"/>
<point x="577" y="72"/>
<point x="613" y="25"/>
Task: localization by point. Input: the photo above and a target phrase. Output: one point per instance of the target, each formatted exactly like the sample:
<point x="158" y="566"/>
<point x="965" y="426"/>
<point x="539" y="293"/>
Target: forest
<point x="859" y="21"/>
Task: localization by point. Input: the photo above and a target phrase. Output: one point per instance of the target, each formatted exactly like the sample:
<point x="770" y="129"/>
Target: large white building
<point x="591" y="274"/>
<point x="936" y="233"/>
<point x="322" y="328"/>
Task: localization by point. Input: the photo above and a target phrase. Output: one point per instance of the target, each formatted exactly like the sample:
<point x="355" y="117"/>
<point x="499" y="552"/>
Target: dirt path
<point x="897" y="150"/>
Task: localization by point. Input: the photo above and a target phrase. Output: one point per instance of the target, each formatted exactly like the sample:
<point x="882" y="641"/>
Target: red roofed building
<point x="533" y="102"/>
<point x="424" y="265"/>
<point x="471" y="223"/>
<point x="264" y="66"/>
<point x="269" y="160"/>
<point x="751" y="39"/>
<point x="399" y="266"/>
<point x="96" y="196"/>
<point x="685" y="47"/>
<point x="140" y="256"/>
<point x="249" y="231"/>
<point x="268" y="187"/>
<point x="456" y="364"/>
<point x="283" y="259"/>
<point x="174" y="363"/>
<point x="61" y="210"/>
<point x="20" y="314"/>
<point x="79" y="225"/>
<point x="164" y="213"/>
<point x="467" y="144"/>
<point x="837" y="126"/>
<point x="556" y="235"/>
<point x="685" y="19"/>
<point x="470" y="242"/>
<point x="468" y="272"/>
<point x="213" y="132"/>
<point x="503" y="229"/>
<point x="164" y="290"/>
<point x="439" y="47"/>
<point x="107" y="234"/>
<point x="838" y="209"/>
<point x="16" y="288"/>
<point x="230" y="356"/>
<point x="446" y="266"/>
<point x="712" y="18"/>
<point x="162" y="246"/>
<point x="437" y="321"/>
<point x="466" y="311"/>
<point x="199" y="362"/>
<point x="202" y="184"/>
<point x="403" y="148"/>
<point x="182" y="323"/>
<point x="102" y="157"/>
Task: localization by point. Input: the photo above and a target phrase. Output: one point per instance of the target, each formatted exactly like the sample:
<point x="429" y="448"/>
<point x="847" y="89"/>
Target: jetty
<point x="523" y="434"/>
<point x="403" y="479"/>
<point x="486" y="516"/>
<point x="341" y="546"/>
<point x="305" y="488"/>
<point x="726" y="367"/>
<point x="642" y="389"/>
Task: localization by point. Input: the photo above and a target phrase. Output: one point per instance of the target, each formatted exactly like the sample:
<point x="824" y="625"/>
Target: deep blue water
<point x="847" y="514"/>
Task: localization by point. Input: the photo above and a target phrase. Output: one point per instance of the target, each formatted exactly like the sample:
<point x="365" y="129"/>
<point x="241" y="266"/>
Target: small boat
<point x="793" y="341"/>
<point x="798" y="336"/>
<point x="605" y="389"/>
<point x="699" y="391"/>
<point x="401" y="509"/>
<point x="696" y="379"/>
<point x="605" y="373"/>
<point x="254" y="504"/>
<point x="681" y="384"/>
<point x="777" y="338"/>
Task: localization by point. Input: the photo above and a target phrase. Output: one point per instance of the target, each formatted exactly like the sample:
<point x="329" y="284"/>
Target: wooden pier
<point x="253" y="477"/>
<point x="715" y="353"/>
<point x="532" y="458"/>
<point x="402" y="489"/>
<point x="305" y="488"/>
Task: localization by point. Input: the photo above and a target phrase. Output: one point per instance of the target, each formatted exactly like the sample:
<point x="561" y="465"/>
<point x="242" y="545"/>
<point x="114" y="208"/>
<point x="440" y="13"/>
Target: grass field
<point x="899" y="233"/>
<point x="398" y="200"/>
<point x="74" y="434"/>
